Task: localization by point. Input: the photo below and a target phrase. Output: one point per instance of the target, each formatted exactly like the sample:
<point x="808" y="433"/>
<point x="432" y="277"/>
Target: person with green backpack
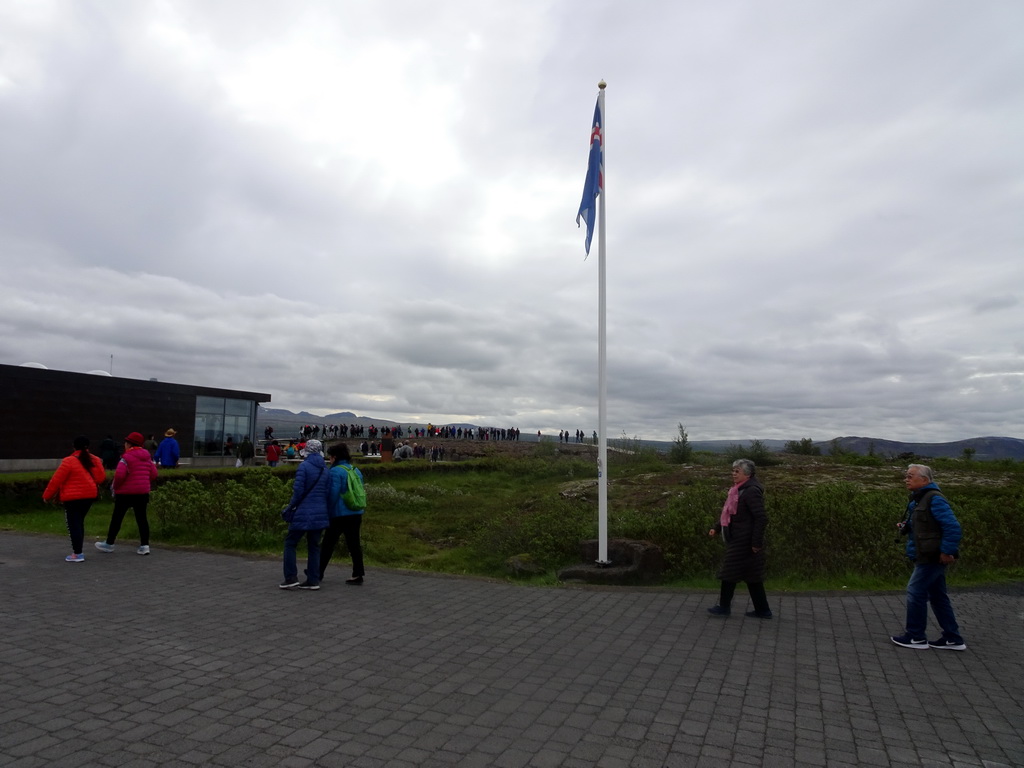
<point x="346" y="502"/>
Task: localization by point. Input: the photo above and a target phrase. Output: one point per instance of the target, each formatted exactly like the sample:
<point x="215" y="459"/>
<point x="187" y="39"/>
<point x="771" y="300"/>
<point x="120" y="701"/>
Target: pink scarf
<point x="732" y="502"/>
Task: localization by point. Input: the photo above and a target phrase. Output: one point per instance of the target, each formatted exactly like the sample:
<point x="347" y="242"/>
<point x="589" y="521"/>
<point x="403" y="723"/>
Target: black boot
<point x="760" y="600"/>
<point x="724" y="600"/>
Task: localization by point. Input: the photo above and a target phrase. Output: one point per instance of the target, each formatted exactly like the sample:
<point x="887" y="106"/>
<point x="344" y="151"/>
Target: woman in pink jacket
<point x="76" y="484"/>
<point x="133" y="480"/>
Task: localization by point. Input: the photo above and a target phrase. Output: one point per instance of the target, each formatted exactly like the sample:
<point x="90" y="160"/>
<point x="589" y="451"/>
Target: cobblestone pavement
<point x="185" y="658"/>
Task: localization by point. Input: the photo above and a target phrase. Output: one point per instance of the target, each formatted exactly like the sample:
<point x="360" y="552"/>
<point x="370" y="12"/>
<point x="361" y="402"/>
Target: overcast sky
<point x="815" y="210"/>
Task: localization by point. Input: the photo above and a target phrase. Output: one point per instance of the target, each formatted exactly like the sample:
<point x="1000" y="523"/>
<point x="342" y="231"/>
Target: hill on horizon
<point x="985" y="448"/>
<point x="281" y="419"/>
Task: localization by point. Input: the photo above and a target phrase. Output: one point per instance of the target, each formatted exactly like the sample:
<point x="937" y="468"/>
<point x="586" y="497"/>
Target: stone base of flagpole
<point x="630" y="562"/>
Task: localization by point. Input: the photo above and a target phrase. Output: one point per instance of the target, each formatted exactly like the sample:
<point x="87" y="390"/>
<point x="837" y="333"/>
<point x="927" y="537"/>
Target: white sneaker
<point x="918" y="643"/>
<point x="949" y="645"/>
<point x="143" y="550"/>
<point x="102" y="546"/>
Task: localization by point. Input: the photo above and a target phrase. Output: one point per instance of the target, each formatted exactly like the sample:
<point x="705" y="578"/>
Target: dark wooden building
<point x="44" y="410"/>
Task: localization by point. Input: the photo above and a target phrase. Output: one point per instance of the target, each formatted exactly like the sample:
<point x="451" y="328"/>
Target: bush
<point x="383" y="494"/>
<point x="757" y="452"/>
<point x="545" y="449"/>
<point x="836" y="449"/>
<point x="681" y="450"/>
<point x="804" y="447"/>
<point x="680" y="531"/>
<point x="835" y="528"/>
<point x="549" y="533"/>
<point x="708" y="459"/>
<point x="993" y="523"/>
<point x="245" y="511"/>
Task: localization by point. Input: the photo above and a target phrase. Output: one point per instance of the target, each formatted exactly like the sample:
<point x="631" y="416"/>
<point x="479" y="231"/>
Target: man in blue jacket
<point x="933" y="543"/>
<point x="168" y="452"/>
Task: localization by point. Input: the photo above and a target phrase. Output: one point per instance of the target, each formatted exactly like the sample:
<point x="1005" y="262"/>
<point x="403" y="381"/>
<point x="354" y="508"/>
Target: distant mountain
<point x="718" y="446"/>
<point x="271" y="414"/>
<point x="286" y="423"/>
<point x="985" y="448"/>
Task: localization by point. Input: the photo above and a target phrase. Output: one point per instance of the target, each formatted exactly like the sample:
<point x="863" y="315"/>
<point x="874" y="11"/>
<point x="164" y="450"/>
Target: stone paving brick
<point x="442" y="671"/>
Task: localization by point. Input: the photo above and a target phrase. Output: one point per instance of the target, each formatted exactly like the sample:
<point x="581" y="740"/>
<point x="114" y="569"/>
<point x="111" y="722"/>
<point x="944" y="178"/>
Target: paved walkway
<point x="186" y="659"/>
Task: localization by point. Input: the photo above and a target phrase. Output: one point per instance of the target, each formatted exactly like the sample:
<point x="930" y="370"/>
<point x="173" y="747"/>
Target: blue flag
<point x="594" y="184"/>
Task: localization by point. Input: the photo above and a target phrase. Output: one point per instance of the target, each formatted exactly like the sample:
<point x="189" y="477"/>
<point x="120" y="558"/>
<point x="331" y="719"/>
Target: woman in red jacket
<point x="133" y="480"/>
<point x="273" y="453"/>
<point x="75" y="484"/>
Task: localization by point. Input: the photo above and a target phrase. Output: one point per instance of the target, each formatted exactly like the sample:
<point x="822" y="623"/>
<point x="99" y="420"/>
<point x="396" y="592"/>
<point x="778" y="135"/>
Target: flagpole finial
<point x="602" y="85"/>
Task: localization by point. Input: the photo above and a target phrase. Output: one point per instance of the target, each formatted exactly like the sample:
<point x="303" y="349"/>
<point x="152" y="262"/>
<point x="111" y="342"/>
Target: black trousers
<point x="347" y="526"/>
<point x="74" y="516"/>
<point x="136" y="502"/>
<point x="757" y="595"/>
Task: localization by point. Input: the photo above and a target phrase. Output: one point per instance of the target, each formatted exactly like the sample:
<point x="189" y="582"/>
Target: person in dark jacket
<point x="246" y="451"/>
<point x="933" y="543"/>
<point x="742" y="526"/>
<point x="310" y="518"/>
<point x="108" y="452"/>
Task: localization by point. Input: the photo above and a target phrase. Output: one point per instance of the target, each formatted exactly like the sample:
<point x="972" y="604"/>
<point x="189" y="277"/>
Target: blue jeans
<point x="928" y="585"/>
<point x="291" y="570"/>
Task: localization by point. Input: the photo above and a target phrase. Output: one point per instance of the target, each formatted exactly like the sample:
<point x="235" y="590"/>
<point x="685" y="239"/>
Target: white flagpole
<point x="602" y="358"/>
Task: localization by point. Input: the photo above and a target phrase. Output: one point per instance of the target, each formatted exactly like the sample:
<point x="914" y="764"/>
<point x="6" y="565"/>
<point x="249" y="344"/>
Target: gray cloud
<point x="813" y="226"/>
<point x="996" y="303"/>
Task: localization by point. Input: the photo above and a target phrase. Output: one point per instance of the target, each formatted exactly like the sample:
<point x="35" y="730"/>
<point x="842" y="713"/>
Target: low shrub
<point x="680" y="530"/>
<point x="550" y="533"/>
<point x="381" y="495"/>
<point x="758" y="452"/>
<point x="834" y="528"/>
<point x="245" y="510"/>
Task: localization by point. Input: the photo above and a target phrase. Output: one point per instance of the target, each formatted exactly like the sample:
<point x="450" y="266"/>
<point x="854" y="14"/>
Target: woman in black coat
<point x="742" y="527"/>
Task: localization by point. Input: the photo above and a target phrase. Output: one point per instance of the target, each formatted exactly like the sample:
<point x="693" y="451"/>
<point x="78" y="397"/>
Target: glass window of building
<point x="217" y="420"/>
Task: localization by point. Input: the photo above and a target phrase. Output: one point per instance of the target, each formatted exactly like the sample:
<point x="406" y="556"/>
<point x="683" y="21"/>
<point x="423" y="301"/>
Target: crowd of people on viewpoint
<point x="581" y="436"/>
<point x="373" y="432"/>
<point x="322" y="512"/>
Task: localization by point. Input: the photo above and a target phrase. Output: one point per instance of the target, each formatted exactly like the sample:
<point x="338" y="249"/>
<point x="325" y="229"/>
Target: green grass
<point x="831" y="523"/>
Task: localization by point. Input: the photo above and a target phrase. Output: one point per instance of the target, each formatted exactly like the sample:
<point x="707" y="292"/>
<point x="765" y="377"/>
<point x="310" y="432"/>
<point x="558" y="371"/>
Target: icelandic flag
<point x="594" y="184"/>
